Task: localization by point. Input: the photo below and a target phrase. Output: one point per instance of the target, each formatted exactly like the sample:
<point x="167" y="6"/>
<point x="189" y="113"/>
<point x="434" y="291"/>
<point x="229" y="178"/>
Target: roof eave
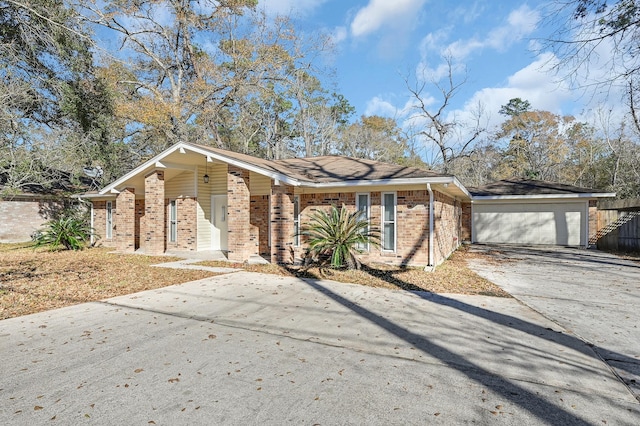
<point x="443" y="180"/>
<point x="183" y="145"/>
<point x="544" y="196"/>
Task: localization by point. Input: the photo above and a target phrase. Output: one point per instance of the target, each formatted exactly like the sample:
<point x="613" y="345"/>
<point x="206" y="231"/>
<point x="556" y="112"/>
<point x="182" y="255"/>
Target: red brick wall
<point x="447" y="214"/>
<point x="412" y="223"/>
<point x="187" y="224"/>
<point x="240" y="244"/>
<point x="124" y="221"/>
<point x="260" y="223"/>
<point x="465" y="233"/>
<point x="100" y="223"/>
<point x="154" y="222"/>
<point x="282" y="229"/>
<point x="139" y="219"/>
<point x="22" y="216"/>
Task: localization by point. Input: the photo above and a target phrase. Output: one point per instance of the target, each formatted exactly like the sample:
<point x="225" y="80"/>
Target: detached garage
<point x="519" y="211"/>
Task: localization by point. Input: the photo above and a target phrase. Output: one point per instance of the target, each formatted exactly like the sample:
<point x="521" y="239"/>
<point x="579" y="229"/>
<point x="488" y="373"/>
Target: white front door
<point x="219" y="226"/>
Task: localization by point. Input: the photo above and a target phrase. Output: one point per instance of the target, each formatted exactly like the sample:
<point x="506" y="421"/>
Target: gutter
<point x="430" y="265"/>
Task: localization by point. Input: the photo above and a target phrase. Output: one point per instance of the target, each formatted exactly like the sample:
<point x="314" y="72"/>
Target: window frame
<point x="108" y="220"/>
<point x="367" y="211"/>
<point x="384" y="222"/>
<point x="173" y="221"/>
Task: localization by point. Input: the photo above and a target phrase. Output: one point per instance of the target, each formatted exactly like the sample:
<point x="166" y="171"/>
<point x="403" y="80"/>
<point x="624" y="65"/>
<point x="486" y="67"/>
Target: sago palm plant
<point x="336" y="235"/>
<point x="70" y="232"/>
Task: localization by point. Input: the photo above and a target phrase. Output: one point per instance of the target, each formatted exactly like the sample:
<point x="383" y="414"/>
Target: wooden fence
<point x="619" y="225"/>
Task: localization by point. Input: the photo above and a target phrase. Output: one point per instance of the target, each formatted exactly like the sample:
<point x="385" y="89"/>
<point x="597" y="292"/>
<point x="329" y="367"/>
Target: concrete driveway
<point x="594" y="295"/>
<point x="246" y="348"/>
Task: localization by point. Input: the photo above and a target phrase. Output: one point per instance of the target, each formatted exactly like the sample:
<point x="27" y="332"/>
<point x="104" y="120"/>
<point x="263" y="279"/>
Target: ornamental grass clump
<point x="68" y="232"/>
<point x="335" y="235"/>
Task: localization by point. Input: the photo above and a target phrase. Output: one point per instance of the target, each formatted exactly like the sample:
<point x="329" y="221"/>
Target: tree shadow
<point x="518" y="395"/>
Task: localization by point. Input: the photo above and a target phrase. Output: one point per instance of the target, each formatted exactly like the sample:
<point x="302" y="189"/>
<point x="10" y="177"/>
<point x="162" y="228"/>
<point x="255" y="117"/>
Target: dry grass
<point x="453" y="276"/>
<point x="38" y="280"/>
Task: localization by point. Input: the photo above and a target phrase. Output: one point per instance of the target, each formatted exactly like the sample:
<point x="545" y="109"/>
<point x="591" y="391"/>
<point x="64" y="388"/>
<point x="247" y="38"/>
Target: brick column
<point x="239" y="216"/>
<point x="125" y="218"/>
<point x="281" y="223"/>
<point x="154" y="223"/>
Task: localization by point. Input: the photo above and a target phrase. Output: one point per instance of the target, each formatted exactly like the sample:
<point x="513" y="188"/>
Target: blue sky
<point x="495" y="43"/>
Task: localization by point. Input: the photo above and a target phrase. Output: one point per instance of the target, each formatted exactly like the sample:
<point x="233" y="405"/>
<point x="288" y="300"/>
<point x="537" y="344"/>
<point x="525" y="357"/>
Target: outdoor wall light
<point x="205" y="178"/>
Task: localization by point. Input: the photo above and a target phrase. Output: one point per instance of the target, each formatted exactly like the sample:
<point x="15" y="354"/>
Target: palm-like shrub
<point x="336" y="235"/>
<point x="69" y="232"/>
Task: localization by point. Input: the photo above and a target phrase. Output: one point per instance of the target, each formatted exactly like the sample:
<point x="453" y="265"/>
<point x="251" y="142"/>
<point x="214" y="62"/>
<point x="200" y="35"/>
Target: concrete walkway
<point x="247" y="348"/>
<point x="594" y="295"/>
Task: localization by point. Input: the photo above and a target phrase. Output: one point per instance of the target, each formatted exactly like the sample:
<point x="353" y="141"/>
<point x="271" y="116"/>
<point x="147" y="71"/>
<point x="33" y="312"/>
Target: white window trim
<point x="395" y="222"/>
<point x="368" y="211"/>
<point x="108" y="219"/>
<point x="172" y="238"/>
<point x="296" y="222"/>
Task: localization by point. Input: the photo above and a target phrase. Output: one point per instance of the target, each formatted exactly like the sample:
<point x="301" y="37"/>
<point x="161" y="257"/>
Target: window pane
<point x="389" y="207"/>
<point x="388" y="237"/>
<point x="296" y="207"/>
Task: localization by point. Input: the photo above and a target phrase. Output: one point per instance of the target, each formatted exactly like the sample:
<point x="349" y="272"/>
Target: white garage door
<point x="530" y="223"/>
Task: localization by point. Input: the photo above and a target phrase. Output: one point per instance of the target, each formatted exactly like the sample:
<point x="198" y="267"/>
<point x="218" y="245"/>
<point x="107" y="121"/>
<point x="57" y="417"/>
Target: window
<point x="388" y="221"/>
<point x="173" y="221"/>
<point x="109" y="220"/>
<point x="362" y="205"/>
<point x="296" y="220"/>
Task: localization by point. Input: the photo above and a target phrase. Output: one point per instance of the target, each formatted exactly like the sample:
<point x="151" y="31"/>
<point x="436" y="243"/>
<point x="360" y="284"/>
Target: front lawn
<point x="453" y="276"/>
<point x="38" y="280"/>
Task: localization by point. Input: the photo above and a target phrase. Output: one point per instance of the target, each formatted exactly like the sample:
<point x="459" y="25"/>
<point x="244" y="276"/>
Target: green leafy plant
<point x="335" y="235"/>
<point x="69" y="232"/>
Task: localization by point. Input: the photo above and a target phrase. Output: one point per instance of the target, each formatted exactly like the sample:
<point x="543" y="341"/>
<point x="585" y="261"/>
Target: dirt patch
<point x="453" y="276"/>
<point x="37" y="280"/>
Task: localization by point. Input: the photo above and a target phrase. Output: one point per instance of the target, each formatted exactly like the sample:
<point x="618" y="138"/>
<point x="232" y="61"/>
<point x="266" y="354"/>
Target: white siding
<point x="217" y="186"/>
<point x="259" y="184"/>
<point x="180" y="186"/>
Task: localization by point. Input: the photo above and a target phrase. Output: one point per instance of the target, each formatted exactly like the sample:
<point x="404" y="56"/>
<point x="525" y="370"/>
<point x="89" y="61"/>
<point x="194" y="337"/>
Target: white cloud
<point x="385" y="13"/>
<point x="381" y="107"/>
<point x="338" y="35"/>
<point x="520" y="23"/>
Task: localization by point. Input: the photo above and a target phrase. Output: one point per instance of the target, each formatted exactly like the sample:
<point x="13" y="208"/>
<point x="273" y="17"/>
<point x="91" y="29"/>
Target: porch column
<point x="282" y="228"/>
<point x="125" y="219"/>
<point x="154" y="223"/>
<point x="239" y="215"/>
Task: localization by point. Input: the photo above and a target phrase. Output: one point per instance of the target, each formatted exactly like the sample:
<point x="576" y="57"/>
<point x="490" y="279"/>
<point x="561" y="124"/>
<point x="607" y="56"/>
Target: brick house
<point x="198" y="198"/>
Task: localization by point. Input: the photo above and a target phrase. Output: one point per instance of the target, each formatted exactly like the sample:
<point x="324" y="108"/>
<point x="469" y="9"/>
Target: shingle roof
<point x="518" y="186"/>
<point x="331" y="168"/>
